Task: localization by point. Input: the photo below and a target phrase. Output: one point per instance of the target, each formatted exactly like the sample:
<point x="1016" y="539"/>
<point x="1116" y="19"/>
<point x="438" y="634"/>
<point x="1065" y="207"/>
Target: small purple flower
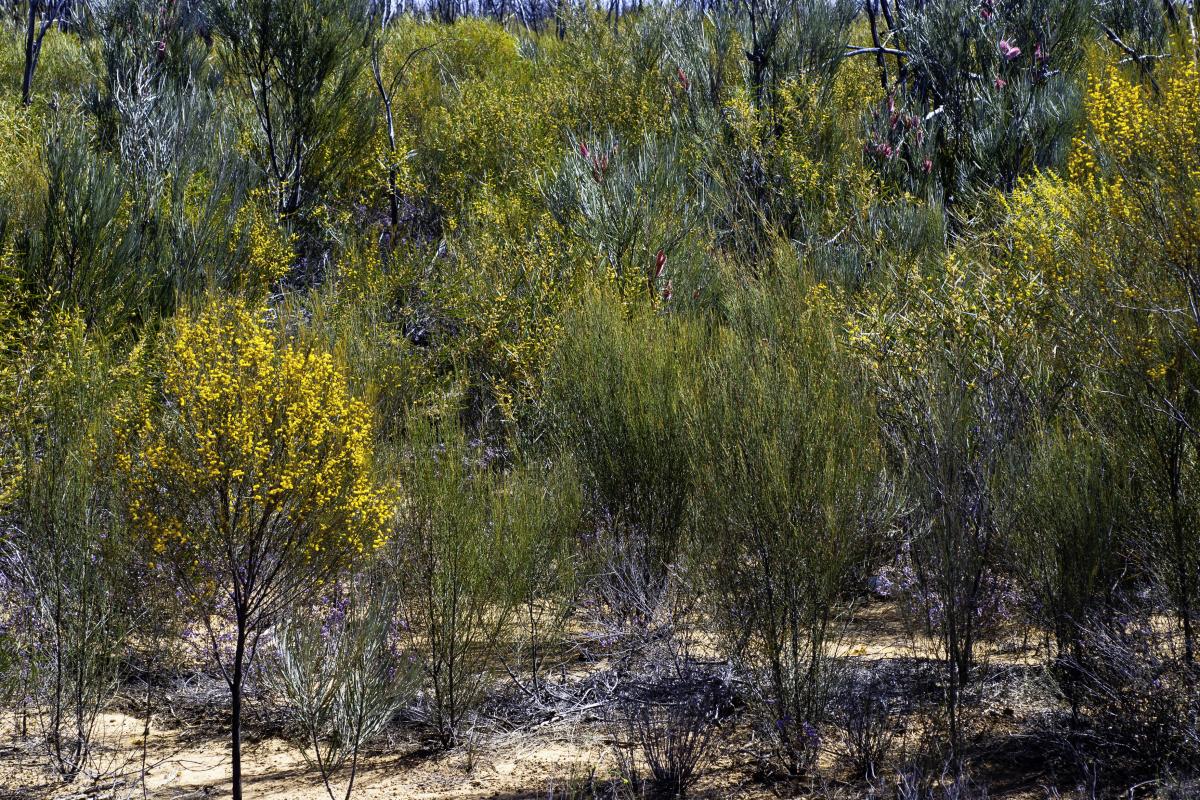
<point x="881" y="585"/>
<point x="811" y="737"/>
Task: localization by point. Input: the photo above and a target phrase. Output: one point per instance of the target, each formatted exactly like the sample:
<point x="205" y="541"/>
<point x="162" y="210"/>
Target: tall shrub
<point x="461" y="550"/>
<point x="789" y="471"/>
<point x="1067" y="526"/>
<point x="65" y="558"/>
<point x="300" y="63"/>
<point x="616" y="395"/>
<point x="251" y="478"/>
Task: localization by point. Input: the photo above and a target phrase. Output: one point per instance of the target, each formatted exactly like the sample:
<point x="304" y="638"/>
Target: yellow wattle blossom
<point x="255" y="442"/>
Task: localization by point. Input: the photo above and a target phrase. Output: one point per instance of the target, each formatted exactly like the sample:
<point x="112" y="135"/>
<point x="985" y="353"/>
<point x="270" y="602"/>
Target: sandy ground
<point x="529" y="765"/>
<point x="551" y="761"/>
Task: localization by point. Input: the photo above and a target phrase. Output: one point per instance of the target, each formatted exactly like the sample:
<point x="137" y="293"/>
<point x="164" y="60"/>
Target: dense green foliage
<point x="420" y="352"/>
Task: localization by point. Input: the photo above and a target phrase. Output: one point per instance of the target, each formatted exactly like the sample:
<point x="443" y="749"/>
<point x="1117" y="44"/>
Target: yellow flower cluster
<point x="971" y="313"/>
<point x="270" y="250"/>
<point x="510" y="305"/>
<point x="1133" y="126"/>
<point x="264" y="436"/>
<point x="1105" y="243"/>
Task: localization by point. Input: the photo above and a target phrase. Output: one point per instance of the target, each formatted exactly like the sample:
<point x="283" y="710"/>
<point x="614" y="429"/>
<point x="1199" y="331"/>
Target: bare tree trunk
<point x="235" y="689"/>
<point x="30" y="53"/>
<point x="1179" y="542"/>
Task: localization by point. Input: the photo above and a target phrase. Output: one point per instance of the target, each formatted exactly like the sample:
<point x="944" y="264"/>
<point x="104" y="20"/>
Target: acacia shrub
<point x="1131" y="170"/>
<point x="959" y="371"/>
<point x="251" y="478"/>
<point x="1115" y="244"/>
<point x="789" y="491"/>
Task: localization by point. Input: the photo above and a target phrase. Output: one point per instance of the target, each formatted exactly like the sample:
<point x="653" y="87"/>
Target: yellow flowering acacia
<point x="1117" y="239"/>
<point x="257" y="459"/>
<point x="505" y="299"/>
<point x="269" y="249"/>
<point x="971" y="313"/>
<point x="250" y="478"/>
<point x="1138" y="165"/>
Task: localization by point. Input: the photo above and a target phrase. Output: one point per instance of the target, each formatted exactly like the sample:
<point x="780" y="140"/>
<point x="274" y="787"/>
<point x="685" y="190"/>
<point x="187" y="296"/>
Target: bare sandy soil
<point x="190" y="758"/>
<point x="555" y="761"/>
<point x="527" y="765"/>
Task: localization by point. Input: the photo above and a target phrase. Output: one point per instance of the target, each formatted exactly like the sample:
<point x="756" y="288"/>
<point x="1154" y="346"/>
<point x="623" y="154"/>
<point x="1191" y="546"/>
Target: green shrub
<point x="340" y="673"/>
<point x="467" y="558"/>
<point x="299" y="63"/>
<point x="66" y="562"/>
<point x="1068" y="523"/>
<point x="789" y="492"/>
<point x="616" y="396"/>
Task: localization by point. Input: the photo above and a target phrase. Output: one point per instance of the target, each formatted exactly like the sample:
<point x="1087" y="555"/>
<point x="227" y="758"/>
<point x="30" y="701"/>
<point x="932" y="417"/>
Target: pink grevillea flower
<point x="1000" y="82"/>
<point x="927" y="166"/>
<point x="1009" y="50"/>
<point x="660" y="263"/>
<point x="583" y="149"/>
<point x="986" y="11"/>
<point x="683" y="78"/>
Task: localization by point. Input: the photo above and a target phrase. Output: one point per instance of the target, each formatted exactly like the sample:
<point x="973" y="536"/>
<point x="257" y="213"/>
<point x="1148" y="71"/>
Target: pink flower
<point x="683" y="78"/>
<point x="1009" y="50"/>
<point x="985" y="11"/>
<point x="660" y="263"/>
<point x="583" y="149"/>
<point x="1000" y="82"/>
<point x="927" y="166"/>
